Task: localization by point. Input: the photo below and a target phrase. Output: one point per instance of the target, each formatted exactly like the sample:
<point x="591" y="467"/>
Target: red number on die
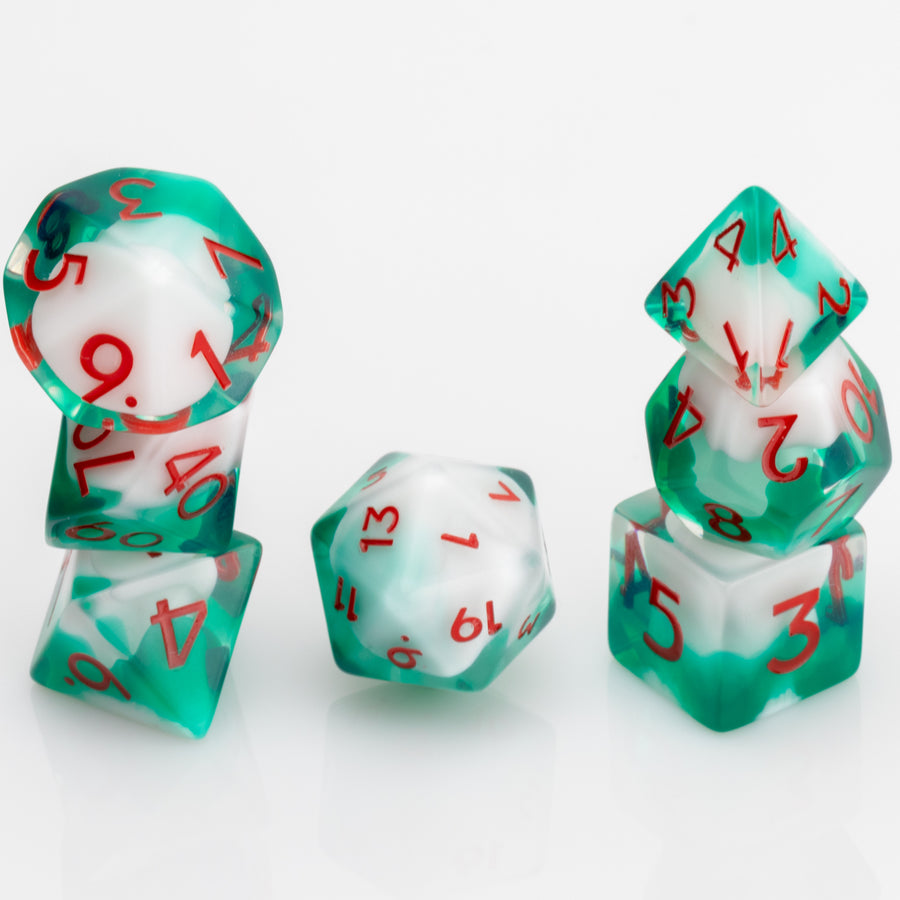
<point x="163" y="617"/>
<point x="673" y="652"/>
<point x="800" y="625"/>
<point x="108" y="380"/>
<point x="131" y="203"/>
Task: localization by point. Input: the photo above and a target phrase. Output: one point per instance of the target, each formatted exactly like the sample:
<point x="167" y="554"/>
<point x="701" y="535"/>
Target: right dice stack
<point x="736" y="587"/>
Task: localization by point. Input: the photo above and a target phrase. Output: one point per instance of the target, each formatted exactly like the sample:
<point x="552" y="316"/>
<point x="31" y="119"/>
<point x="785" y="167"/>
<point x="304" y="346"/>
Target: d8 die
<point x="433" y="572"/>
<point x="728" y="634"/>
<point x="115" y="490"/>
<point x="141" y="300"/>
<point x="756" y="297"/>
<point x="148" y="636"/>
<point x="776" y="480"/>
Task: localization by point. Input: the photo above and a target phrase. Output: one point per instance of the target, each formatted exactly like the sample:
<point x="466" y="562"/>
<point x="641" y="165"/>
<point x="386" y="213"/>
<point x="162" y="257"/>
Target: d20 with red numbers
<point x="140" y="300"/>
<point x="728" y="634"/>
<point x="756" y="297"/>
<point x="433" y="572"/>
<point x="121" y="490"/>
<point x="148" y="636"/>
<point x="774" y="480"/>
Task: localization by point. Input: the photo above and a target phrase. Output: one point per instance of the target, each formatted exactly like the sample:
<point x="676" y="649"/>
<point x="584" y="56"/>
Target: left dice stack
<point x="737" y="586"/>
<point x="146" y="308"/>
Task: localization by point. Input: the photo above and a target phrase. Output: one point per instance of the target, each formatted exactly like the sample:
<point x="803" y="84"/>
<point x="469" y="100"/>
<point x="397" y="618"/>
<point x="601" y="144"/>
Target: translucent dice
<point x="141" y="300"/>
<point x="756" y="297"/>
<point x="737" y="586"/>
<point x="779" y="478"/>
<point x="147" y="635"/>
<point x="728" y="634"/>
<point x="169" y="492"/>
<point x="146" y="308"/>
<point x="433" y="572"/>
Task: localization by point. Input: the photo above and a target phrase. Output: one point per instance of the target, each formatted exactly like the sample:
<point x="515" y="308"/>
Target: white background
<point x="466" y="204"/>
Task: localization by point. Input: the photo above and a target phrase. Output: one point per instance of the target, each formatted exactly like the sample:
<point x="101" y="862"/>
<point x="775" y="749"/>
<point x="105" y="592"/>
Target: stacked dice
<point x="736" y="587"/>
<point x="145" y="307"/>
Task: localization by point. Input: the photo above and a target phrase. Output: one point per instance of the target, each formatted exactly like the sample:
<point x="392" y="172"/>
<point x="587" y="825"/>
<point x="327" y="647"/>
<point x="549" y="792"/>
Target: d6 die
<point x="756" y="297"/>
<point x="148" y="636"/>
<point x="728" y="634"/>
<point x="774" y="480"/>
<point x="433" y="572"/>
<point x="115" y="490"/>
<point x="140" y="300"/>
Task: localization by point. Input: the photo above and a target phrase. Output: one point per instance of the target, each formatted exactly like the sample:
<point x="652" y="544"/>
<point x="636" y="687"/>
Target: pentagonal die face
<point x="774" y="480"/>
<point x="730" y="635"/>
<point x="141" y="301"/>
<point x="433" y="572"/>
<point x="756" y="297"/>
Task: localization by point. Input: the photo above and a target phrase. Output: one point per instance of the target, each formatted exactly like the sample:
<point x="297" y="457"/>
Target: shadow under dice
<point x="778" y="479"/>
<point x="433" y="572"/>
<point x="756" y="297"/>
<point x="147" y="635"/>
<point x="169" y="492"/>
<point x="728" y="634"/>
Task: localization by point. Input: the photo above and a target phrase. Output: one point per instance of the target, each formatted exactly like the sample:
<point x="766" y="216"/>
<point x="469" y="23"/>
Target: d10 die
<point x="774" y="480"/>
<point x="756" y="297"/>
<point x="728" y="634"/>
<point x="148" y="636"/>
<point x="140" y="300"/>
<point x="433" y="572"/>
<point x="115" y="490"/>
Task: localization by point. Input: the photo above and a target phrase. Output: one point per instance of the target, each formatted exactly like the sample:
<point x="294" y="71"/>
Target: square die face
<point x="148" y="636"/>
<point x="730" y="635"/>
<point x="756" y="297"/>
<point x="433" y="572"/>
<point x="173" y="492"/>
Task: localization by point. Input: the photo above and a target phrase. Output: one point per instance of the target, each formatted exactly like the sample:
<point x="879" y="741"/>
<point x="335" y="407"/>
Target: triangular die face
<point x="147" y="636"/>
<point x="756" y="297"/>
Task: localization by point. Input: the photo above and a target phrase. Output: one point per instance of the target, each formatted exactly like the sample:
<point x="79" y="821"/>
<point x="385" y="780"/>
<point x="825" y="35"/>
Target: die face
<point x="433" y="572"/>
<point x="172" y="492"/>
<point x="141" y="301"/>
<point x="148" y="636"/>
<point x="756" y="297"/>
<point x="730" y="635"/>
<point x="777" y="480"/>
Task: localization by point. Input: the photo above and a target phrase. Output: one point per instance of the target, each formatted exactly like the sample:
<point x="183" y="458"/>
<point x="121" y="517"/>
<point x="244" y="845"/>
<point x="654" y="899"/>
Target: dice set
<point x="146" y="308"/>
<point x="736" y="587"/>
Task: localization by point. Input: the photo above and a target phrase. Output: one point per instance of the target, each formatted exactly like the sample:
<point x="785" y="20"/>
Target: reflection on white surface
<point x="404" y="767"/>
<point x="773" y="791"/>
<point x="141" y="816"/>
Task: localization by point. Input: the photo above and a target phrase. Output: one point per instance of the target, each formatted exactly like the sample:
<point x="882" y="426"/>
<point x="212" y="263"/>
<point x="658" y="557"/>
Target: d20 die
<point x="728" y="634"/>
<point x="117" y="490"/>
<point x="756" y="297"/>
<point x="776" y="480"/>
<point x="433" y="572"/>
<point x="148" y="636"/>
<point x="141" y="300"/>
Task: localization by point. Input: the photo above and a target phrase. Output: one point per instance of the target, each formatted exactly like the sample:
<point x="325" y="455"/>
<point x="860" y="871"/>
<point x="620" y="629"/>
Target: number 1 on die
<point x="201" y="346"/>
